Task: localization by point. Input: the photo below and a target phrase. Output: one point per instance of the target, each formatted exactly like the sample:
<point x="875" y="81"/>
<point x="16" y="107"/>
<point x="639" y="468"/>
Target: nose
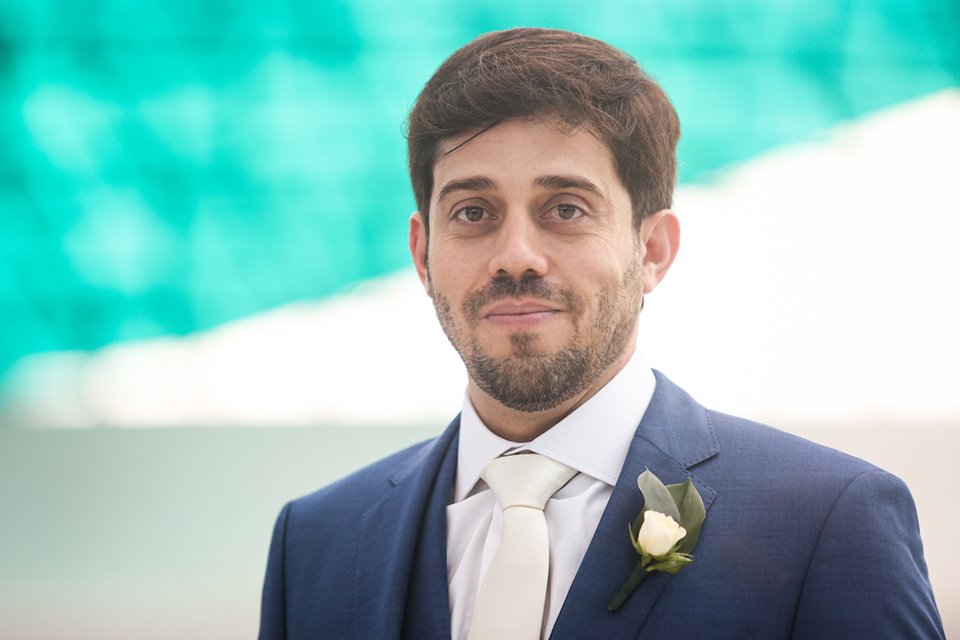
<point x="518" y="248"/>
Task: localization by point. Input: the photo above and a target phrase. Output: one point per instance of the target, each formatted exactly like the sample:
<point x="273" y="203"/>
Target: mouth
<point x="521" y="313"/>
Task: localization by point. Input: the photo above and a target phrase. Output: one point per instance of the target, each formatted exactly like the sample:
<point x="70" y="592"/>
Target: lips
<point x="520" y="312"/>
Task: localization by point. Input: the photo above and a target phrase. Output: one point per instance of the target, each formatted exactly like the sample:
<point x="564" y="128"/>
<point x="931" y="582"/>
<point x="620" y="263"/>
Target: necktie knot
<point x="525" y="480"/>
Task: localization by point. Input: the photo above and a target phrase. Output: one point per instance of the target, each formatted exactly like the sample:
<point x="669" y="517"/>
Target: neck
<point x="524" y="426"/>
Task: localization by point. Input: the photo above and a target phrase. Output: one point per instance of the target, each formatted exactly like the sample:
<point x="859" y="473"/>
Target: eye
<point x="566" y="211"/>
<point x="472" y="213"/>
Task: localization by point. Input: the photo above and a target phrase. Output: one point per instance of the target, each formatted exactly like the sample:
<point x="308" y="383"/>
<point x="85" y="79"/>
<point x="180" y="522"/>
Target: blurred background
<point x="203" y="268"/>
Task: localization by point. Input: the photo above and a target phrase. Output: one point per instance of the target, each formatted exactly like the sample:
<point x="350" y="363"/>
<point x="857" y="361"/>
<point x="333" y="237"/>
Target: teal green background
<point x="169" y="166"/>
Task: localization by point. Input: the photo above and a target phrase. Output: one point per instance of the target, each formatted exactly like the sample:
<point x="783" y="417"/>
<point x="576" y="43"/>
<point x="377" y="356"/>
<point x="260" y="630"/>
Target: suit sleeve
<point x="273" y="618"/>
<point x="867" y="577"/>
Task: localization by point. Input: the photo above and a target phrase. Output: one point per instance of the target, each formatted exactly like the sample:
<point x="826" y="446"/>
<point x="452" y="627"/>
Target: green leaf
<point x="633" y="533"/>
<point x="692" y="512"/>
<point x="671" y="564"/>
<point x="656" y="497"/>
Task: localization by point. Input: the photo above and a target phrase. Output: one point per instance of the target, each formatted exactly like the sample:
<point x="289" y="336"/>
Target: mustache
<point x="533" y="286"/>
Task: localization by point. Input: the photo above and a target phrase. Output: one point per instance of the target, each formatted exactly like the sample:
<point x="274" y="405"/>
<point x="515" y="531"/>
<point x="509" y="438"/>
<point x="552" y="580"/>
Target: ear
<point x="418" y="248"/>
<point x="660" y="235"/>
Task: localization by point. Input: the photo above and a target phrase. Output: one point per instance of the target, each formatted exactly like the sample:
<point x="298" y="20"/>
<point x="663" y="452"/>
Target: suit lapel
<point x="387" y="542"/>
<point x="673" y="436"/>
<point x="427" y="612"/>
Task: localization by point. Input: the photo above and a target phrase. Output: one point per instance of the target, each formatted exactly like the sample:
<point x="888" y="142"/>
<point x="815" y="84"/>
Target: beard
<point x="531" y="379"/>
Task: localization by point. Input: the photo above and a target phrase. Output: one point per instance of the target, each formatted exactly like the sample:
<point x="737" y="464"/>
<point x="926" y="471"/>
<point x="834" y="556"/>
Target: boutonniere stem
<point x="665" y="532"/>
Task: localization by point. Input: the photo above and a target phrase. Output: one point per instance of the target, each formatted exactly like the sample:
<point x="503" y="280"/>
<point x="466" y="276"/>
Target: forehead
<point x="517" y="152"/>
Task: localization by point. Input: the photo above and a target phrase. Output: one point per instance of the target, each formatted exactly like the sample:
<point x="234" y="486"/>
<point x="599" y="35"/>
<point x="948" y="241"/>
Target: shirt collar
<point x="593" y="439"/>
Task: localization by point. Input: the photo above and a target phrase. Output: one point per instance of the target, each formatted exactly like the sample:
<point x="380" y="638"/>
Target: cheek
<point x="441" y="286"/>
<point x="451" y="273"/>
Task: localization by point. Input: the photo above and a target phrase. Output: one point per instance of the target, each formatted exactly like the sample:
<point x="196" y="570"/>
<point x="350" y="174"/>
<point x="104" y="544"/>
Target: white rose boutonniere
<point x="658" y="533"/>
<point x="665" y="533"/>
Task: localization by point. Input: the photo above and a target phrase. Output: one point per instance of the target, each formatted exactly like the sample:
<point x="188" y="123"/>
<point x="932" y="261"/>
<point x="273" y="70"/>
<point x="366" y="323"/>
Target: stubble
<point x="531" y="379"/>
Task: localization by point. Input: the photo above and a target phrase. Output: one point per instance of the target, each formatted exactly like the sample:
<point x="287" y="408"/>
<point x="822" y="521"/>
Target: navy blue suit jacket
<point x="800" y="541"/>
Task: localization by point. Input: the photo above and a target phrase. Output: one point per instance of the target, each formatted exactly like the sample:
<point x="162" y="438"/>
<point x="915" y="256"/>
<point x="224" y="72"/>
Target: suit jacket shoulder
<point x="801" y="540"/>
<point x="353" y="494"/>
<point x="335" y="547"/>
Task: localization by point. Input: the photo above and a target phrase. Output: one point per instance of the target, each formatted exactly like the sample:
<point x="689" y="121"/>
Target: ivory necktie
<point x="513" y="594"/>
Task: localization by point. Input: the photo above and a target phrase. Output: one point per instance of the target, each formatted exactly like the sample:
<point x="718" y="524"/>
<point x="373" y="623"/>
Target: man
<point x="543" y="165"/>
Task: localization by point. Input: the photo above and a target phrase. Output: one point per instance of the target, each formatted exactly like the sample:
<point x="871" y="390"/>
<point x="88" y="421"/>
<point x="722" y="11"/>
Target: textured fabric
<point x="800" y="542"/>
<point x="513" y="594"/>
<point x="474" y="520"/>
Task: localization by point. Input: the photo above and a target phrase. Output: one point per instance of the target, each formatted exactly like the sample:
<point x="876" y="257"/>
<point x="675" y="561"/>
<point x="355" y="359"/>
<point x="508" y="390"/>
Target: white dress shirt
<point x="593" y="439"/>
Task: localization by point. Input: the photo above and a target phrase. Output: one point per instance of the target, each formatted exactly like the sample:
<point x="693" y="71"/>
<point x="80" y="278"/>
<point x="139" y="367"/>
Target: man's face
<point x="534" y="266"/>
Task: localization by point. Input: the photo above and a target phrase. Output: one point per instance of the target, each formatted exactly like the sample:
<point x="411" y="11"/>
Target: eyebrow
<point x="568" y="182"/>
<point x="473" y="183"/>
<point x="483" y="183"/>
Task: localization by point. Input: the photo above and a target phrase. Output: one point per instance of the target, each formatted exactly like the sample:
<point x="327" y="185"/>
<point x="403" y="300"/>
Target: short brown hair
<point x="577" y="80"/>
